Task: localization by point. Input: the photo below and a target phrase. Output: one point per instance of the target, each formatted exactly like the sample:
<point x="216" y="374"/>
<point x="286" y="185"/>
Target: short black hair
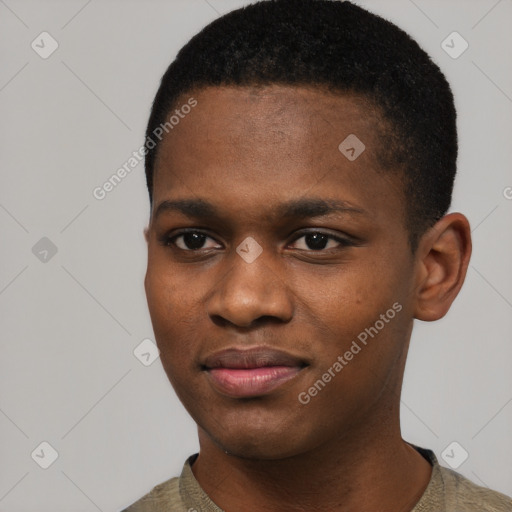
<point x="340" y="47"/>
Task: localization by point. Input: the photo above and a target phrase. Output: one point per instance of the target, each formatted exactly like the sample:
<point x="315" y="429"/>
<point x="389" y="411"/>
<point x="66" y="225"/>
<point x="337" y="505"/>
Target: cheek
<point x="352" y="315"/>
<point x="175" y="318"/>
<point x="167" y="289"/>
<point x="346" y="299"/>
<point x="170" y="307"/>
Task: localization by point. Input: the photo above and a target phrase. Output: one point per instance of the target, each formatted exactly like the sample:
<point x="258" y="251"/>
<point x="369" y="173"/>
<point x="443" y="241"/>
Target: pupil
<point x="316" y="241"/>
<point x="194" y="240"/>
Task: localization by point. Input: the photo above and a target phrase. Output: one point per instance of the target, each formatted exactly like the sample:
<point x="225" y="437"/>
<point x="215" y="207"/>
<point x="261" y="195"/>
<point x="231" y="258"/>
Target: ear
<point x="442" y="261"/>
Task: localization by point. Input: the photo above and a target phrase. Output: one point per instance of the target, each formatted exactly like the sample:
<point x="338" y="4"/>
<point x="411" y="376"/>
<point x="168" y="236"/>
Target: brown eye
<point x="318" y="241"/>
<point x="189" y="241"/>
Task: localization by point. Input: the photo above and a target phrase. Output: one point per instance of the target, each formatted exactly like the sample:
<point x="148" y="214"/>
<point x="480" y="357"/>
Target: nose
<point x="248" y="293"/>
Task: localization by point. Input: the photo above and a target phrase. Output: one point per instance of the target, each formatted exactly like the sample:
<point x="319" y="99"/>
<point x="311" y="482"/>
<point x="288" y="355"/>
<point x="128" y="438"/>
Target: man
<point x="300" y="164"/>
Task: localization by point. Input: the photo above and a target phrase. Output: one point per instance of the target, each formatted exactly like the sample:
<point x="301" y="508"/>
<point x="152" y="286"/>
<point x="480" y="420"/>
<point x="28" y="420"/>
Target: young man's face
<point x="262" y="160"/>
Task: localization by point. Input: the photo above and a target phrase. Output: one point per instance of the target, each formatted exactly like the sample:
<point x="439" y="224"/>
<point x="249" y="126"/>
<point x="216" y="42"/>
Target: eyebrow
<point x="296" y="208"/>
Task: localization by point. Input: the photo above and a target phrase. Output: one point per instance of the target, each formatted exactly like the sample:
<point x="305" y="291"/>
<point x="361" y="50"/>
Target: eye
<point x="318" y="241"/>
<point x="194" y="241"/>
<point x="189" y="241"/>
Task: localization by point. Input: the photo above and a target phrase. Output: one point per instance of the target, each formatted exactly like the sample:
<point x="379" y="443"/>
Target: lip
<point x="258" y="371"/>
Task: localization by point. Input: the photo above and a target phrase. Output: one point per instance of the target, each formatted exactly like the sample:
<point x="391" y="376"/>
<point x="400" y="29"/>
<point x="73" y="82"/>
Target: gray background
<point x="70" y="324"/>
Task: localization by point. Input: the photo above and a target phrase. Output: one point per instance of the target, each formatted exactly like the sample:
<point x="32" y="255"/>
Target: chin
<point x="259" y="440"/>
<point x="262" y="450"/>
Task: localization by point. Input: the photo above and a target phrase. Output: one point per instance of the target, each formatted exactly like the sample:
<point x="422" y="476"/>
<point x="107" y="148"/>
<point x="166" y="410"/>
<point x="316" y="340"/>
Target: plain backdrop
<point x="72" y="301"/>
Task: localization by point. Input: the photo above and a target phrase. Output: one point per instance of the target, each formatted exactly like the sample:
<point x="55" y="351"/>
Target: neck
<point x="370" y="468"/>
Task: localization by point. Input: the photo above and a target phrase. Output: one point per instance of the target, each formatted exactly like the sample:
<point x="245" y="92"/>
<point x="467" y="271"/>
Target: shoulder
<point x="464" y="495"/>
<point x="449" y="491"/>
<point x="178" y="494"/>
<point x="160" y="498"/>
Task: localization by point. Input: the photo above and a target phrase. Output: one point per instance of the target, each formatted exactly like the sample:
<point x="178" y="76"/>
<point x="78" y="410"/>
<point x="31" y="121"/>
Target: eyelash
<point x="167" y="240"/>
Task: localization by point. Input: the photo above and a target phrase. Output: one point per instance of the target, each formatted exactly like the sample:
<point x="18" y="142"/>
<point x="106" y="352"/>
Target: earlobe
<point x="443" y="258"/>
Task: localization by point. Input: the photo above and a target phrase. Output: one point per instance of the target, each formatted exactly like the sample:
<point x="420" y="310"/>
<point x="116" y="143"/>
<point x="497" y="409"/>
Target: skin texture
<point x="246" y="151"/>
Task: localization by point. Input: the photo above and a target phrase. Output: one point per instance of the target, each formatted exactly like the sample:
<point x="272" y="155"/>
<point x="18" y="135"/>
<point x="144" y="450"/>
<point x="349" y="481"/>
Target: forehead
<point x="282" y="109"/>
<point x="249" y="121"/>
<point x="281" y="141"/>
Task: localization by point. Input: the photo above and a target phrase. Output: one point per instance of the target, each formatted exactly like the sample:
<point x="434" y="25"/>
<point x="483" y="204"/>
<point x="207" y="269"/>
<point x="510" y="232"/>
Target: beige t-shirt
<point x="447" y="491"/>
